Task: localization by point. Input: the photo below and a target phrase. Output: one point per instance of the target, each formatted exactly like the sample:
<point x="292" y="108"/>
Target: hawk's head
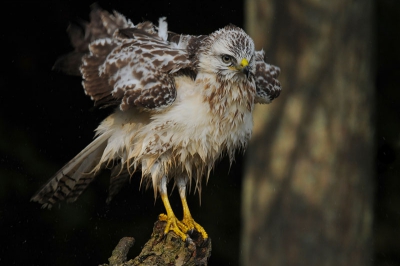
<point x="228" y="53"/>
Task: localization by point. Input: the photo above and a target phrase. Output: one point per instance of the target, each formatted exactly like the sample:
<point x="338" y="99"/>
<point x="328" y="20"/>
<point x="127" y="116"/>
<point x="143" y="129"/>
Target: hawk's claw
<point x="191" y="225"/>
<point x="173" y="224"/>
<point x="182" y="228"/>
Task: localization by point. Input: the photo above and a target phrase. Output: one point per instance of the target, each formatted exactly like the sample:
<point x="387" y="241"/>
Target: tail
<point x="71" y="180"/>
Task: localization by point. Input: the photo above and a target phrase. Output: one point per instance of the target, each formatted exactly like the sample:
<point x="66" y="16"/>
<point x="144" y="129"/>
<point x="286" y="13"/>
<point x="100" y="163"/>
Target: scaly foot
<point x="173" y="224"/>
<point x="189" y="223"/>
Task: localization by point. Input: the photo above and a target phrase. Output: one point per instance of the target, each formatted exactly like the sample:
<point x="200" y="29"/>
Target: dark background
<point x="46" y="120"/>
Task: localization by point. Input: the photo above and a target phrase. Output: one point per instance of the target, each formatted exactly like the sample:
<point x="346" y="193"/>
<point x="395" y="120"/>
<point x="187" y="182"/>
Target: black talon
<point x="188" y="241"/>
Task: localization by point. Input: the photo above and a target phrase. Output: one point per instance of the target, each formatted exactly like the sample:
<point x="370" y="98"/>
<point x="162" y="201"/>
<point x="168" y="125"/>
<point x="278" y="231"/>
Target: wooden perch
<point x="162" y="250"/>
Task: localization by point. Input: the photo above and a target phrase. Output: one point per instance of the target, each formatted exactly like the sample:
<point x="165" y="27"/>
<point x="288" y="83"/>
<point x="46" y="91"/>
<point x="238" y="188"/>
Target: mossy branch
<point x="160" y="250"/>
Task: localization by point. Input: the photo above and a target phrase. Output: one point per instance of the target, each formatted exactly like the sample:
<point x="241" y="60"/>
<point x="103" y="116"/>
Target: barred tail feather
<point x="71" y="180"/>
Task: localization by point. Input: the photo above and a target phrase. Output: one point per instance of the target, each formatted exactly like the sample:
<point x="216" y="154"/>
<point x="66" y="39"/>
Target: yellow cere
<point x="244" y="62"/>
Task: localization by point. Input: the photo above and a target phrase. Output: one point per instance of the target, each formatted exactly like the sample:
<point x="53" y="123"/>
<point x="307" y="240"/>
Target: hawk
<point x="181" y="102"/>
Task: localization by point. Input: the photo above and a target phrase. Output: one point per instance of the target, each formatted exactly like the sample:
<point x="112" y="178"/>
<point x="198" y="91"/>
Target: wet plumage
<point x="181" y="102"/>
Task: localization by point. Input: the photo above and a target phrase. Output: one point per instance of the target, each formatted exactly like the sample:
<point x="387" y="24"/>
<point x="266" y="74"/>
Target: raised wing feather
<point x="137" y="71"/>
<point x="267" y="85"/>
<point x="126" y="65"/>
<point x="134" y="68"/>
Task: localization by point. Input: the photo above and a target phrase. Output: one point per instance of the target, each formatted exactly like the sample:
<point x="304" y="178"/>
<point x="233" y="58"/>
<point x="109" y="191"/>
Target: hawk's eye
<point x="226" y="58"/>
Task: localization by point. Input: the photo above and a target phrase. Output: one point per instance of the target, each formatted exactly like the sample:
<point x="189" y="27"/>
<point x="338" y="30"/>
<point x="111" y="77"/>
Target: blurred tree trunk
<point x="307" y="196"/>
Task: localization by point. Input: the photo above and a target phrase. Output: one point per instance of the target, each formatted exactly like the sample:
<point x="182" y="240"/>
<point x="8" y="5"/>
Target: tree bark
<point x="307" y="195"/>
<point x="162" y="250"/>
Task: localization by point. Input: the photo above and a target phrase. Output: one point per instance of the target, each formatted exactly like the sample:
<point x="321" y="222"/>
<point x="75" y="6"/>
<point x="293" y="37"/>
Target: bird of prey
<point x="181" y="102"/>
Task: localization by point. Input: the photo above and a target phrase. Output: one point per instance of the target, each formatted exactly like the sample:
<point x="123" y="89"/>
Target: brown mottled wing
<point x="267" y="85"/>
<point x="134" y="69"/>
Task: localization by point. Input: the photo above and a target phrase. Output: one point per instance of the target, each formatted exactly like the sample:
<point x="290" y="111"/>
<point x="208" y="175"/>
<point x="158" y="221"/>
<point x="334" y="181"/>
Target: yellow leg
<point x="187" y="220"/>
<point x="173" y="224"/>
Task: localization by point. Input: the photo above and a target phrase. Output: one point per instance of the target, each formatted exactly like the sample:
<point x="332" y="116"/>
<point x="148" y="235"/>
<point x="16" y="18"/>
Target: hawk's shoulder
<point x="268" y="86"/>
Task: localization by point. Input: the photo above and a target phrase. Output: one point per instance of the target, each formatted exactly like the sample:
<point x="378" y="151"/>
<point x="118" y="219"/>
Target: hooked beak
<point x="246" y="71"/>
<point x="244" y="67"/>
